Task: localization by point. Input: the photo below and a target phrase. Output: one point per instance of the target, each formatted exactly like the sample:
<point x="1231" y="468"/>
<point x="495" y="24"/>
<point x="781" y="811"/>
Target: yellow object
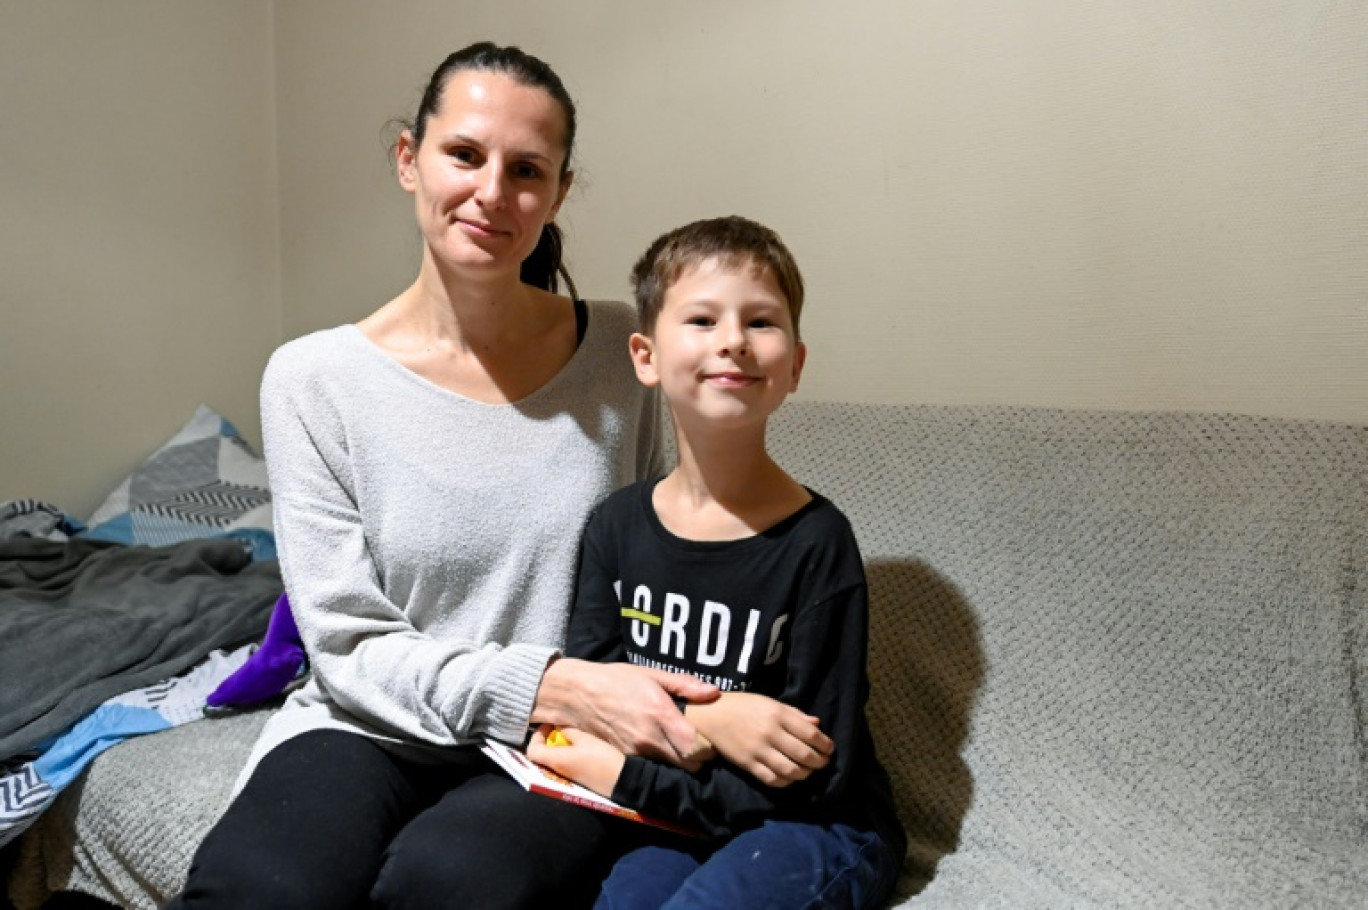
<point x="557" y="738"/>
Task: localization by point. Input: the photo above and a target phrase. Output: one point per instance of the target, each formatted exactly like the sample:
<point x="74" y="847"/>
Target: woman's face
<point x="488" y="174"/>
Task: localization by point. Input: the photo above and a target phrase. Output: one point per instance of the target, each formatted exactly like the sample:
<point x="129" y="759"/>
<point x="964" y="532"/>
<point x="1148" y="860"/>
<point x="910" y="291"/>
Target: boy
<point x="731" y="570"/>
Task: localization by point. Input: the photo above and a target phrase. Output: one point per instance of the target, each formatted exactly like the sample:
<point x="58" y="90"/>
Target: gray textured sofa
<point x="1118" y="659"/>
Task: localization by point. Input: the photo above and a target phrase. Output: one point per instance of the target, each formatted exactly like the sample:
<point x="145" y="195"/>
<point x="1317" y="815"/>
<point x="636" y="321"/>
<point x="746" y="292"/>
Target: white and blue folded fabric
<point x="26" y="790"/>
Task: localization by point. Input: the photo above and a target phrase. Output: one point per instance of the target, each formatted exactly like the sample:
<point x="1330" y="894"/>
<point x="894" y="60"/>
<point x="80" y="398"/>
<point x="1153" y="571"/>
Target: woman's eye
<point x="463" y="155"/>
<point x="527" y="171"/>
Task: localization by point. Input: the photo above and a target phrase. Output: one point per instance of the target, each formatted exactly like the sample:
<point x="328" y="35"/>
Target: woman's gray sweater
<point x="428" y="541"/>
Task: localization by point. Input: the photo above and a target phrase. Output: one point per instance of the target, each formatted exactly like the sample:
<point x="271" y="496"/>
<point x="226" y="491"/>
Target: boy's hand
<point x="775" y="743"/>
<point x="582" y="757"/>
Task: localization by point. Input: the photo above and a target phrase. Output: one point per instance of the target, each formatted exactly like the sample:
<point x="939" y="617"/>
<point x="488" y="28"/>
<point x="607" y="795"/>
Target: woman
<point x="432" y="467"/>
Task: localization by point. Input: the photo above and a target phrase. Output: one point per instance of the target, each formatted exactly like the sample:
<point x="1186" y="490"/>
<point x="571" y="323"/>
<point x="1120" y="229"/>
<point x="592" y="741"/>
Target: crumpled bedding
<point x="28" y="790"/>
<point x="84" y="620"/>
<point x="35" y="518"/>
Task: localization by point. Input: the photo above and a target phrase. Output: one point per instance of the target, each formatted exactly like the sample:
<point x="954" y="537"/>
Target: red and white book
<point x="540" y="779"/>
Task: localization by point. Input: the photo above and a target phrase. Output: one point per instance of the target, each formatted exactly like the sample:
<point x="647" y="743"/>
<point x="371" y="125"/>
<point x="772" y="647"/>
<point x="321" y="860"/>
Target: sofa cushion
<point x="205" y="481"/>
<point x="1117" y="658"/>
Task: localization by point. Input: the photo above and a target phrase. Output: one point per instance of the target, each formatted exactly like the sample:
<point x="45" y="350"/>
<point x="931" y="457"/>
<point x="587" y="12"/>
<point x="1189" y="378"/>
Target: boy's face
<point x="723" y="350"/>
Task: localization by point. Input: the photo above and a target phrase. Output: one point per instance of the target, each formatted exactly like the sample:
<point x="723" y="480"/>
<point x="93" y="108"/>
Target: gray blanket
<point x="83" y="620"/>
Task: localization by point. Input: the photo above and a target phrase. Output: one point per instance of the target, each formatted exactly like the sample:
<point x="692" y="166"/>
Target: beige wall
<point x="1046" y="202"/>
<point x="138" y="249"/>
<point x="1053" y="202"/>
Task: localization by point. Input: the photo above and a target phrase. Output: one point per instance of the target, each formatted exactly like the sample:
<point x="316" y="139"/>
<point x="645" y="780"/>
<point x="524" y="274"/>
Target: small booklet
<point x="539" y="779"/>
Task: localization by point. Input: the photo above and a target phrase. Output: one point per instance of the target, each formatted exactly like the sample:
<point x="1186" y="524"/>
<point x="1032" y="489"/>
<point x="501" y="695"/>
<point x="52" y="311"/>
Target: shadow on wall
<point x="926" y="666"/>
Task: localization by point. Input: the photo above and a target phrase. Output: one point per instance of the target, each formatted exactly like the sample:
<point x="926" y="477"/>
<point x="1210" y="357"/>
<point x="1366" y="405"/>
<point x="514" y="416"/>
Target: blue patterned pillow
<point x="204" y="482"/>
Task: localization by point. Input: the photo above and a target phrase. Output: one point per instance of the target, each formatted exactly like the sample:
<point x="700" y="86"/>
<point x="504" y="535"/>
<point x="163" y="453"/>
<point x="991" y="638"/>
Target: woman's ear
<point x="406" y="161"/>
<point x="642" y="350"/>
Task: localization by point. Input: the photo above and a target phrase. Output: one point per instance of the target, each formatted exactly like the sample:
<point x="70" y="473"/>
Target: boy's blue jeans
<point x="780" y="865"/>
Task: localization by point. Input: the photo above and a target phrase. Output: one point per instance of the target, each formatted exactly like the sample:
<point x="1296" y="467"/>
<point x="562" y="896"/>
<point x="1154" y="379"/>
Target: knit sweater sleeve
<point x="365" y="653"/>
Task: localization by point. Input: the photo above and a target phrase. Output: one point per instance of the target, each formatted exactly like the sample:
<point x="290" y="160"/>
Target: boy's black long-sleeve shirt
<point x="783" y="613"/>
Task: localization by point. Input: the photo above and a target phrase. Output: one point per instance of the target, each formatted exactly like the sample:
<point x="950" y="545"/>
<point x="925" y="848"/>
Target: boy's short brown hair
<point x="733" y="241"/>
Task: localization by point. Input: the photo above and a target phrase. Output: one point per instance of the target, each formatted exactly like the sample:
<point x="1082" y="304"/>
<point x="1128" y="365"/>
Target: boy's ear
<point x="799" y="358"/>
<point x="643" y="359"/>
<point x="405" y="161"/>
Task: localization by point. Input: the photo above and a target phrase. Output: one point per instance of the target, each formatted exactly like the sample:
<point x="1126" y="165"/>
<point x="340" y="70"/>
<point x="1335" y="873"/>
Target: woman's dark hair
<point x="542" y="267"/>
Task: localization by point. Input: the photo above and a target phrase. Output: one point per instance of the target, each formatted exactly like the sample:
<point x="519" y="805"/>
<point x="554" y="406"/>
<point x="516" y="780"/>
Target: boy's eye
<point x="761" y="322"/>
<point x="704" y="321"/>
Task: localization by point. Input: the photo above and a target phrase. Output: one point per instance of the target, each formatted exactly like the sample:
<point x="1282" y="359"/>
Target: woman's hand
<point x="775" y="743"/>
<point x="582" y="757"/>
<point x="632" y="708"/>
